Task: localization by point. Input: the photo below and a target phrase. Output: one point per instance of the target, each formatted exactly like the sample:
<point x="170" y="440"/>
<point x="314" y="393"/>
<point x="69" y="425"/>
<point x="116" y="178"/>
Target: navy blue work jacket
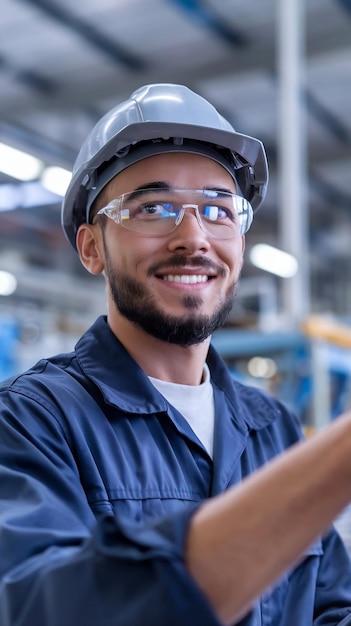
<point x="99" y="478"/>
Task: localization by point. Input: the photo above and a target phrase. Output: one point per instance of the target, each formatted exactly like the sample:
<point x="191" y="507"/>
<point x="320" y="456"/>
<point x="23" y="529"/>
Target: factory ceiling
<point x="63" y="64"/>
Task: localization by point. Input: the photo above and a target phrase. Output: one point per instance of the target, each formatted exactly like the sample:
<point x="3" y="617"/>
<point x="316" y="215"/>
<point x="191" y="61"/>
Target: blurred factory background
<point x="277" y="69"/>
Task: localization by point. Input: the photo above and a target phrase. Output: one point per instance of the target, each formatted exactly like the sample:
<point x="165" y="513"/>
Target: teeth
<point x="186" y="279"/>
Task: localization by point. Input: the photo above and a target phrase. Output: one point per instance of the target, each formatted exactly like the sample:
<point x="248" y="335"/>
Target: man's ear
<point x="89" y="246"/>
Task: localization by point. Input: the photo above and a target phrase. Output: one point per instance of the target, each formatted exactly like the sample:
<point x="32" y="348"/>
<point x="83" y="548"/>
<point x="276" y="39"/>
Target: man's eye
<point x="152" y="208"/>
<point x="216" y="213"/>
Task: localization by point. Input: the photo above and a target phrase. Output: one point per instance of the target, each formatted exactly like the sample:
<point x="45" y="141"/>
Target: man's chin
<point x="183" y="323"/>
<point x="183" y="330"/>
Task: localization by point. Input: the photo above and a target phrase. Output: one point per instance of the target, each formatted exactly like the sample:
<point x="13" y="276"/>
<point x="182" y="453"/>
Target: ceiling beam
<point x="345" y="4"/>
<point x="111" y="48"/>
<point x="205" y="16"/>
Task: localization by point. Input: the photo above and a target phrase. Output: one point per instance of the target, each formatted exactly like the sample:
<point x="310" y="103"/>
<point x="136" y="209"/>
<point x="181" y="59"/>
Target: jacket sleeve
<point x="59" y="566"/>
<point x="333" y="588"/>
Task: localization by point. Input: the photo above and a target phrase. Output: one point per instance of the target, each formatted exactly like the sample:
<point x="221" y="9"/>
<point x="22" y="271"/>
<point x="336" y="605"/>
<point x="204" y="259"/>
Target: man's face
<point x="178" y="287"/>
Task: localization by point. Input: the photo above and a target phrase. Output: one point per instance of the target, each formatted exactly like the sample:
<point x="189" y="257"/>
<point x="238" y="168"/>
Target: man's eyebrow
<point x="220" y="189"/>
<point x="158" y="184"/>
<point x="162" y="185"/>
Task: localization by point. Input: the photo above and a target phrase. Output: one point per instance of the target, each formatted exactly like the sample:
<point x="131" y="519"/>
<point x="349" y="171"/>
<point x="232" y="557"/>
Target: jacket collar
<point x="122" y="382"/>
<point x="102" y="357"/>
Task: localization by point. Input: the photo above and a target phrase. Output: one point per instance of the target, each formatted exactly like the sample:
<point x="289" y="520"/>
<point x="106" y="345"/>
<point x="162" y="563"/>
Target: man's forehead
<point x="165" y="170"/>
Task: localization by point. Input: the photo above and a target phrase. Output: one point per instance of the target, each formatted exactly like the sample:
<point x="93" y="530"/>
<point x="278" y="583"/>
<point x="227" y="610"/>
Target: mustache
<point x="182" y="261"/>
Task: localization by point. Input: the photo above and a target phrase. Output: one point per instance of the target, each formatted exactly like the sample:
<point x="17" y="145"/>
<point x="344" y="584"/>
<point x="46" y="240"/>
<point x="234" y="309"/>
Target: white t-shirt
<point x="195" y="403"/>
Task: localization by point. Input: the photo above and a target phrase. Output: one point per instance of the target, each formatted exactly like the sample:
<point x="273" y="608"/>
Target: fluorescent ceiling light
<point x="56" y="179"/>
<point x="19" y="164"/>
<point x="8" y="283"/>
<point x="273" y="260"/>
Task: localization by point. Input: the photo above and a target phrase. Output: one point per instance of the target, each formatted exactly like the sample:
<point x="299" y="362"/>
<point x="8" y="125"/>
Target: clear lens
<point x="159" y="211"/>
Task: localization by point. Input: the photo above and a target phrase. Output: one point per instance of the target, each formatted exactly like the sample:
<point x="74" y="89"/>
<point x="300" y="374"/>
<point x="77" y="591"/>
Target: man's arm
<point x="247" y="537"/>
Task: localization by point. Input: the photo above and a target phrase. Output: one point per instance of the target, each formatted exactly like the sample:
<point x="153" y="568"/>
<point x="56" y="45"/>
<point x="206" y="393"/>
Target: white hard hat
<point x="156" y="119"/>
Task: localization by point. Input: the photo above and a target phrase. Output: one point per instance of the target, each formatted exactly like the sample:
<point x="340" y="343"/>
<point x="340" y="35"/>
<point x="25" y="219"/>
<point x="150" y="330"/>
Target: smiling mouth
<point x="186" y="279"/>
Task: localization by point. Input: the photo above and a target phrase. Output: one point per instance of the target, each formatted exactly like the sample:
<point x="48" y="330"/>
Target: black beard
<point x="135" y="303"/>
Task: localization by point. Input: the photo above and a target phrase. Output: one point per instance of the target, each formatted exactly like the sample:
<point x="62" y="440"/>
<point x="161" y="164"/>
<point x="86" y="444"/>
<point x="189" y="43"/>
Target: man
<point x="138" y="480"/>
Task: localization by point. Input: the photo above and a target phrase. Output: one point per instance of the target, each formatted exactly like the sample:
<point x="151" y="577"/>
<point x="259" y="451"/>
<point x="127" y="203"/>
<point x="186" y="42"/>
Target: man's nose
<point x="189" y="233"/>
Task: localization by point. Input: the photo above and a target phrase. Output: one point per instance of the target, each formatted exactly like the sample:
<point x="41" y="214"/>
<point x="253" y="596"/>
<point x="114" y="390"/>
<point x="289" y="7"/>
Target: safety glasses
<point x="157" y="211"/>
